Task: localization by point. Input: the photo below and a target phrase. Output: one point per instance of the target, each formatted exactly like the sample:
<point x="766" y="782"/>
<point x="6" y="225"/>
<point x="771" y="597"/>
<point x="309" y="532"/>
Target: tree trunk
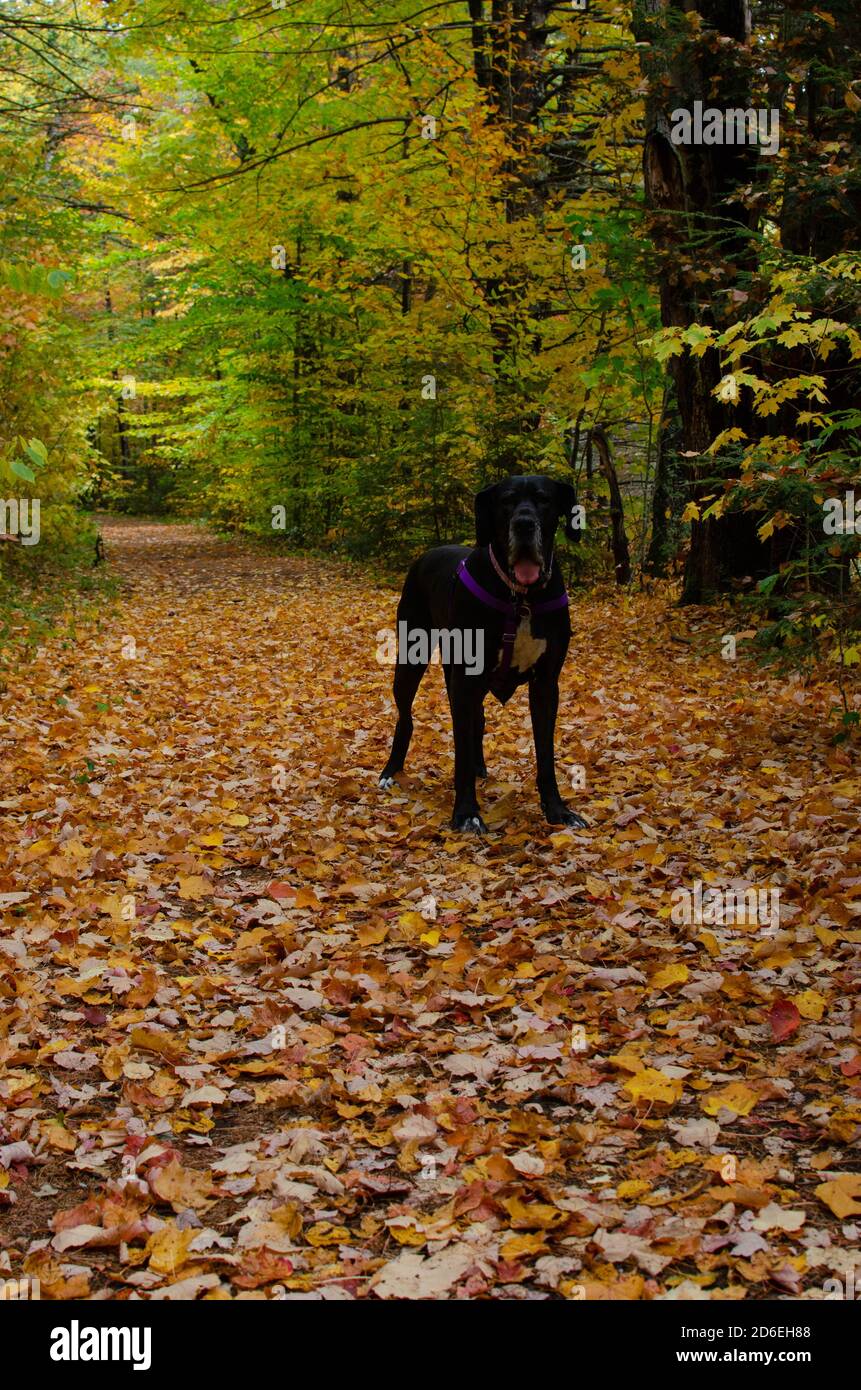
<point x="665" y="508"/>
<point x="510" y="49"/>
<point x="619" y="543"/>
<point x="700" y="227"/>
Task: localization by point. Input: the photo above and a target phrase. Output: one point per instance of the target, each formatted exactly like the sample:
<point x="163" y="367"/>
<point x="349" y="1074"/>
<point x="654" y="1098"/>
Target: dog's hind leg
<point x="407" y="681"/>
<point x="480" y="765"/>
<point x="543" y="708"/>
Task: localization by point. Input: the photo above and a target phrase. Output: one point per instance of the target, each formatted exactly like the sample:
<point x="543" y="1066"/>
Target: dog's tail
<point x="413" y="605"/>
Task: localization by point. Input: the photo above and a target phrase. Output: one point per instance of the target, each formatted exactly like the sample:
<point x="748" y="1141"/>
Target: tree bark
<point x="665" y="494"/>
<point x="700" y="227"/>
<point x="619" y="541"/>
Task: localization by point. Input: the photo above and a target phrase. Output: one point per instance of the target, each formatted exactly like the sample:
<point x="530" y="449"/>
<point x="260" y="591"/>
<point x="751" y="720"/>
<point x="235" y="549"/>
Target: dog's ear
<point x="485" y="508"/>
<point x="566" y="506"/>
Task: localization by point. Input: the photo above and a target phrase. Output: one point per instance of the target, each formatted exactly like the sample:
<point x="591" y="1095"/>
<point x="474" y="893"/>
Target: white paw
<point x="386" y="782"/>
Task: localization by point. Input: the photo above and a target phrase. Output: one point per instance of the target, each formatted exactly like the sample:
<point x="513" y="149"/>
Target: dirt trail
<point x="268" y="1029"/>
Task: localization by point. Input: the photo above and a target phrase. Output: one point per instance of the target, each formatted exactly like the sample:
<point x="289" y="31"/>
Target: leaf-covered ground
<point x="269" y="1031"/>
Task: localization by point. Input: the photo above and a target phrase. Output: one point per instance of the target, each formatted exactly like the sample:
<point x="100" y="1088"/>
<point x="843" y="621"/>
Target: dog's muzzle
<point x="525" y="549"/>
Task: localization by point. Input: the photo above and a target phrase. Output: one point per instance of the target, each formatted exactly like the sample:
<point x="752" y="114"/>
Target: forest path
<point x="267" y="1028"/>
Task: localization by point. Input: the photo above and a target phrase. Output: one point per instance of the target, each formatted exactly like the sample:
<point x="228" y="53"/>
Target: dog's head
<point x="519" y="516"/>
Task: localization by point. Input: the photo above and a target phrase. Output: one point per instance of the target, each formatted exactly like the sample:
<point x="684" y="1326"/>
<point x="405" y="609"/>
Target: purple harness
<point x="514" y="610"/>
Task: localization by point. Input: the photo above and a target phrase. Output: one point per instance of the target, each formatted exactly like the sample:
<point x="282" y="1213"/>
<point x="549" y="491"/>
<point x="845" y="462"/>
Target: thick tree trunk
<point x="700" y="228"/>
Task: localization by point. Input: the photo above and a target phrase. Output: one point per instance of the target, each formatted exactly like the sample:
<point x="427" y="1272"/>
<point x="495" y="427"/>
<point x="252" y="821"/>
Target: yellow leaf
<point x="194" y="886"/>
<point x="430" y="938"/>
<point x="412" y="922"/>
<point x="810" y="1004"/>
<point x="681" y="1158"/>
<point x="22" y="1082"/>
<point x="516" y="1246"/>
<point x="324" y="1233"/>
<point x="408" y="1233"/>
<point x="533" y="1216"/>
<point x="842" y="1195"/>
<point x="289" y="1218"/>
<point x="736" y="1097"/>
<point x="669" y="975"/>
<point x="167" y="1249"/>
<point x="372" y="934"/>
<point x="183" y="1187"/>
<point x="628" y="1061"/>
<point x="58" y="1136"/>
<point x="34" y="851"/>
<point x="634" y="1187"/>
<point x="112" y="1062"/>
<point x="151" y="1040"/>
<point x="653" y="1085"/>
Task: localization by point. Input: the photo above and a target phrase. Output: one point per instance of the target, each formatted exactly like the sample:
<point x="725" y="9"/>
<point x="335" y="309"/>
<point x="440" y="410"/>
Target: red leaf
<point x="784" y="1019"/>
<point x="261" y="1267"/>
<point x="281" y="890"/>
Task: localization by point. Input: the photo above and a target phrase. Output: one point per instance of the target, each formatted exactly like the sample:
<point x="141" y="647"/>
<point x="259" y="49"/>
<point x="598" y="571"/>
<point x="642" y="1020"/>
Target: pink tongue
<point x="526" y="572"/>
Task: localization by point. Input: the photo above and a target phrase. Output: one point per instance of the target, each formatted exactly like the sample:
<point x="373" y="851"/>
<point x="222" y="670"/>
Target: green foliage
<point x="335" y="271"/>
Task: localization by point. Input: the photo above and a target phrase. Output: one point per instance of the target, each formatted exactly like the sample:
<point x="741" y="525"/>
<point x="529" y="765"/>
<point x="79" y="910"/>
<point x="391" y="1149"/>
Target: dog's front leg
<point x="466" y="700"/>
<point x="543" y="707"/>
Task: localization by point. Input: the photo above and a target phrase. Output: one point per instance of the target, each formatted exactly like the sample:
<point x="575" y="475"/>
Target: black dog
<point x="505" y="602"/>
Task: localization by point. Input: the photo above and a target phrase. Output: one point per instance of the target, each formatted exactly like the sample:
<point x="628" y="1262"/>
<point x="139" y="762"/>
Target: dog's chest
<point x="527" y="649"/>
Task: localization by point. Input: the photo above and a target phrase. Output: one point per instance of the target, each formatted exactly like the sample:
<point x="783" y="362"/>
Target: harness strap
<point x="513" y="610"/>
<point x="502" y="605"/>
